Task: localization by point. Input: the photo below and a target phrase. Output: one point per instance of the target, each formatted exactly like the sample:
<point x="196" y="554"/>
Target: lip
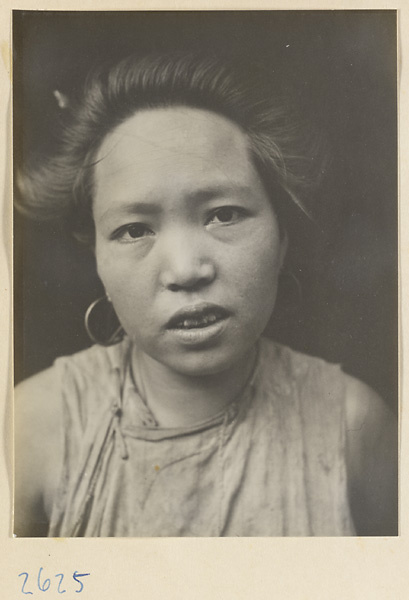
<point x="214" y="313"/>
<point x="199" y="337"/>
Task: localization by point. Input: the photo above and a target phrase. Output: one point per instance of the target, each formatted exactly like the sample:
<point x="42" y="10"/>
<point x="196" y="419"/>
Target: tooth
<point x="198" y="321"/>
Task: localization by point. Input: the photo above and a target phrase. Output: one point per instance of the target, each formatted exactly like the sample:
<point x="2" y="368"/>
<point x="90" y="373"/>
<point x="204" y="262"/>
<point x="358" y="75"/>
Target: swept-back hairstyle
<point x="63" y="185"/>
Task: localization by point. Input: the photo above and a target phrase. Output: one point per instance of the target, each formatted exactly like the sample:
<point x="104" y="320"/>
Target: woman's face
<point x="187" y="242"/>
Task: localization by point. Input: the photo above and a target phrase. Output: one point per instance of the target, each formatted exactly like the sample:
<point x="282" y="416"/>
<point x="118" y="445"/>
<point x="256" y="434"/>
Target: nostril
<point x="174" y="287"/>
<point x="191" y="284"/>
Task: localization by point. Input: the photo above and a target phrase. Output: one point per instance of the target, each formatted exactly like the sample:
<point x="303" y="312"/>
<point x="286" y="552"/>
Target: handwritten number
<point x="75" y="576"/>
<point x="25" y="581"/>
<point x="46" y="583"/>
<point x="59" y="583"/>
<point x="43" y="587"/>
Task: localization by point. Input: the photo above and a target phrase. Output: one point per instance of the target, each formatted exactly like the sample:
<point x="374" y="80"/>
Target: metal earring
<point x="102" y="324"/>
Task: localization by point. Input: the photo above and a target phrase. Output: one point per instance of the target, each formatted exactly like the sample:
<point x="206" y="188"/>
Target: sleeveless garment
<point x="272" y="464"/>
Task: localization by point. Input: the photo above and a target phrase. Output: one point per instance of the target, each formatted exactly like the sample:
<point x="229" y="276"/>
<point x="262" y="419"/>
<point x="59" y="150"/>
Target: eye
<point x="225" y="215"/>
<point x="132" y="232"/>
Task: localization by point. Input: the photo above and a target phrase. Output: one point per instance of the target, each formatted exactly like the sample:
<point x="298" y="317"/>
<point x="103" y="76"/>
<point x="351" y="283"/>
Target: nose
<point x="186" y="263"/>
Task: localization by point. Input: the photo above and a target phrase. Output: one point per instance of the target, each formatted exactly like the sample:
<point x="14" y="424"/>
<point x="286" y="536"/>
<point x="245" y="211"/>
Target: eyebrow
<point x="198" y="196"/>
<point x="208" y="193"/>
<point x="132" y="208"/>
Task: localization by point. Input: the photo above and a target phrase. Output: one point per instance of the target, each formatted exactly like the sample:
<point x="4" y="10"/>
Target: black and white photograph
<point x="205" y="273"/>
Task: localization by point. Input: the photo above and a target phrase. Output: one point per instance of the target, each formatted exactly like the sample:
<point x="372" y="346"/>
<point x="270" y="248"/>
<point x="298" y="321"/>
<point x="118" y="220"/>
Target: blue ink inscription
<point x="44" y="583"/>
<point x="59" y="590"/>
<point x="75" y="575"/>
<point x="24" y="583"/>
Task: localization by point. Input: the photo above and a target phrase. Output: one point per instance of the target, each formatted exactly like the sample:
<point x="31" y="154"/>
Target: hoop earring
<point x="102" y="324"/>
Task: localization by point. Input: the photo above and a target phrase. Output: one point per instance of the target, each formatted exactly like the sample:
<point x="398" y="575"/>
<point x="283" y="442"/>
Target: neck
<point x="179" y="400"/>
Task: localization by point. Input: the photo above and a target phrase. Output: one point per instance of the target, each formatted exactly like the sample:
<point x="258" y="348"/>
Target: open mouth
<point x="197" y="317"/>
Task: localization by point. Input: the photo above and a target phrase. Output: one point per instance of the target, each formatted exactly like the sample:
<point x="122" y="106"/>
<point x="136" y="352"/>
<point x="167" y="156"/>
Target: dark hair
<point x="62" y="186"/>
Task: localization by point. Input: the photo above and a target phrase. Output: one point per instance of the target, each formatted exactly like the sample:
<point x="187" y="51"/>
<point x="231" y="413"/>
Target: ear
<point x="283" y="248"/>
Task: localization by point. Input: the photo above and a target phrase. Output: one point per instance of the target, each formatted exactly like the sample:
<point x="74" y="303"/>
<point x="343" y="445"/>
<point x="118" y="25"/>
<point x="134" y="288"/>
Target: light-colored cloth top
<point x="272" y="464"/>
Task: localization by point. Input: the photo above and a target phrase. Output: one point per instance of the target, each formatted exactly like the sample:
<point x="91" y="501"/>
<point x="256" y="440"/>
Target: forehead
<point x="176" y="146"/>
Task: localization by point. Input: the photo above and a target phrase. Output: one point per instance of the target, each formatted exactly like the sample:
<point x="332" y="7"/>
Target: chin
<point x="204" y="363"/>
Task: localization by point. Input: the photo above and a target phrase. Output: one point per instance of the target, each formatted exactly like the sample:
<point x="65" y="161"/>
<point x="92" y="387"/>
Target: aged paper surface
<point x="202" y="568"/>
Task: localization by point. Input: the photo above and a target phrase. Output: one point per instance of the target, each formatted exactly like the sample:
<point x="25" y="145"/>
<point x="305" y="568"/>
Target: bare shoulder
<point x="372" y="460"/>
<point x="38" y="450"/>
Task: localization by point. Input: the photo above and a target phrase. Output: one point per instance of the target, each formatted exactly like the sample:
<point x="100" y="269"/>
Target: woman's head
<point x="64" y="185"/>
<point x="188" y="245"/>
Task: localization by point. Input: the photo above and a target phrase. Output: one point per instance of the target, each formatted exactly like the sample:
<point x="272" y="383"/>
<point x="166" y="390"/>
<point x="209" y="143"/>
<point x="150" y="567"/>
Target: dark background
<point x="339" y="67"/>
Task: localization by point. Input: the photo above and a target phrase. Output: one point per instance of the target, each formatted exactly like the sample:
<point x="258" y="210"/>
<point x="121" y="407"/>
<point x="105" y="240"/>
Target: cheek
<point x="259" y="278"/>
<point x="261" y="262"/>
<point x="131" y="301"/>
<point x="131" y="288"/>
<point x="105" y="268"/>
<point x="122" y="282"/>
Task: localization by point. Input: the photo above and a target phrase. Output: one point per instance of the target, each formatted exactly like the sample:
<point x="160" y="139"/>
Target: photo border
<point x="293" y="568"/>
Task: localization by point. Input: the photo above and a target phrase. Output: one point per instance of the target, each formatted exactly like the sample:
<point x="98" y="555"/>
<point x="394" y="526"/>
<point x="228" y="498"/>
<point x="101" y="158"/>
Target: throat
<point x="177" y="400"/>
